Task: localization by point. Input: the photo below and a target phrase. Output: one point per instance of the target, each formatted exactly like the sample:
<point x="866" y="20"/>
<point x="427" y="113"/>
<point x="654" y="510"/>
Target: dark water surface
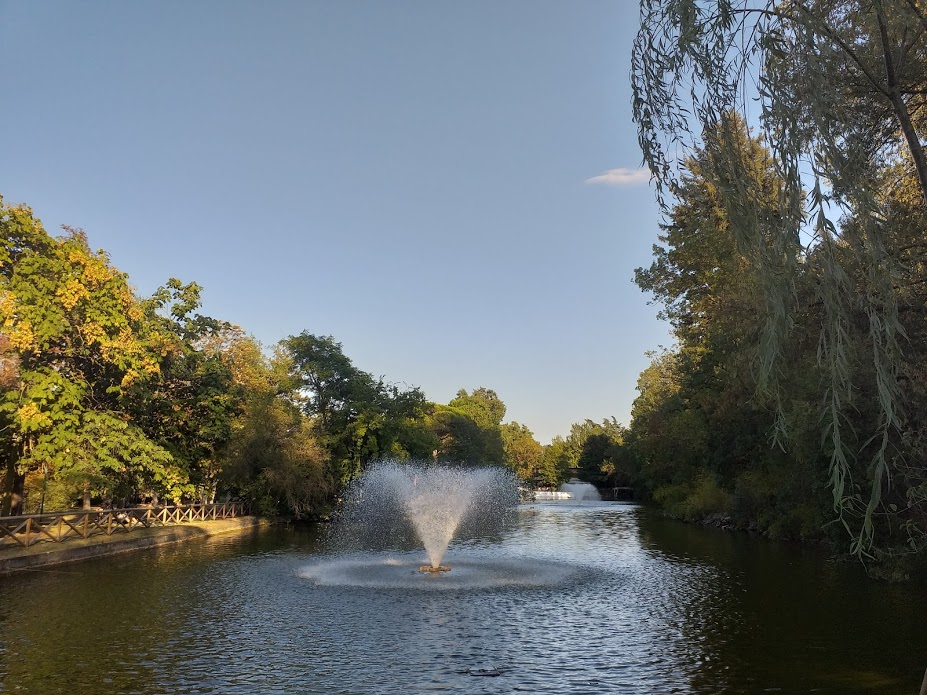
<point x="593" y="598"/>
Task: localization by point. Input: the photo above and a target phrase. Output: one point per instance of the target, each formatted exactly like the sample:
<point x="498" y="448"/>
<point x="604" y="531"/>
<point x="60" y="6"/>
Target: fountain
<point x="395" y="509"/>
<point x="579" y="490"/>
<point x="436" y="501"/>
<point x="575" y="489"/>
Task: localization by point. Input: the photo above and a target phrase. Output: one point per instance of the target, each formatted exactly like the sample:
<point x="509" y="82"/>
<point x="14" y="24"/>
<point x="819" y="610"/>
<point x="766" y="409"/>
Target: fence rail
<point x="58" y="527"/>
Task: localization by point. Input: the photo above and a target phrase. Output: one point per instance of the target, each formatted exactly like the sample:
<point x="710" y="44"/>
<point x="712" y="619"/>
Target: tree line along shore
<point x="114" y="399"/>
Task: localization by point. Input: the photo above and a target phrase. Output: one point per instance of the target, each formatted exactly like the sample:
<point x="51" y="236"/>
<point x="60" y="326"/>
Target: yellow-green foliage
<point x="56" y="494"/>
<point x="696" y="502"/>
<point x="81" y="340"/>
<point x="707" y="498"/>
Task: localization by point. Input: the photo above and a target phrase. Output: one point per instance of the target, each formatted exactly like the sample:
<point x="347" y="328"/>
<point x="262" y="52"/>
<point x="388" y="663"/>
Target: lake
<point x="568" y="598"/>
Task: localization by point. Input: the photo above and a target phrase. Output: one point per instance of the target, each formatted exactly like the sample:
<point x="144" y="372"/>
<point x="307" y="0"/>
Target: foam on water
<point x="400" y="571"/>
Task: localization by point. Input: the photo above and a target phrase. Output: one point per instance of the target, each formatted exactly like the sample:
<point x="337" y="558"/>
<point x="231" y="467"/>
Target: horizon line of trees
<point x="110" y="398"/>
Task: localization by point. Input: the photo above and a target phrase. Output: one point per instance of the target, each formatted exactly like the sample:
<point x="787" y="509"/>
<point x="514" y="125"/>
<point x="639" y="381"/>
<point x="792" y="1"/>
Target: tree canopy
<point x="82" y="343"/>
<point x="359" y="418"/>
<point x="838" y="88"/>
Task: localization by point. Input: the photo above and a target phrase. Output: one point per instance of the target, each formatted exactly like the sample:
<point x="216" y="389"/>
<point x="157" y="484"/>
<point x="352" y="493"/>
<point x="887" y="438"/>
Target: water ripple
<point x="572" y="599"/>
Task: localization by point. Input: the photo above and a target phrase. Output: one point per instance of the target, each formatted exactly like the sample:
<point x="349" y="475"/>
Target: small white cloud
<point x="622" y="177"/>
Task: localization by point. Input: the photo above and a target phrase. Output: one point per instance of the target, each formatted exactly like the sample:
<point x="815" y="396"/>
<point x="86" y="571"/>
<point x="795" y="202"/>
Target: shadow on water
<point x="778" y="614"/>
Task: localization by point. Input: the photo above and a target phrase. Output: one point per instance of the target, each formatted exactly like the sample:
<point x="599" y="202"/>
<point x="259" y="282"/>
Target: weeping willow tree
<point x="837" y="89"/>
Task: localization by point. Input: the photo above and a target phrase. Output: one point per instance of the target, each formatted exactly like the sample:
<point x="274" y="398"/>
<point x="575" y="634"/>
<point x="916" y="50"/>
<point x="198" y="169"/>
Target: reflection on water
<point x="639" y="605"/>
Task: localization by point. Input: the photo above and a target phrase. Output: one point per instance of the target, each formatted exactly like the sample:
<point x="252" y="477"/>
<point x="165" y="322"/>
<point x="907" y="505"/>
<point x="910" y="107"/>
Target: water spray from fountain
<point x="579" y="490"/>
<point x="395" y="503"/>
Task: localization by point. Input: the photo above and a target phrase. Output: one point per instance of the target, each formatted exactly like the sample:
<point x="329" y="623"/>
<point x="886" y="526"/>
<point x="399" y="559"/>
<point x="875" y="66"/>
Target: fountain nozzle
<point x="434" y="570"/>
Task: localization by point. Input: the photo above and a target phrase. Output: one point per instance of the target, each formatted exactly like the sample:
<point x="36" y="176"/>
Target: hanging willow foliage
<point x="837" y="90"/>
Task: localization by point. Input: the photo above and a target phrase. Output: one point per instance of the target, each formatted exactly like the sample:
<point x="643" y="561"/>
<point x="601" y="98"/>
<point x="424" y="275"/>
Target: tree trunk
<point x="86" y="494"/>
<point x="6" y="492"/>
<point x="44" y="487"/>
<point x="901" y="109"/>
<point x="14" y="483"/>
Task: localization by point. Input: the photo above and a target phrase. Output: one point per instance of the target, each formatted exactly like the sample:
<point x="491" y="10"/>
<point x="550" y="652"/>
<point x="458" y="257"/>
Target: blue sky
<point x="431" y="183"/>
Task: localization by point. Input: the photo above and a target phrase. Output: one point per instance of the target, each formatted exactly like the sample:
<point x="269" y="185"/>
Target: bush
<point x="672" y="498"/>
<point x="706" y="499"/>
<point x="695" y="502"/>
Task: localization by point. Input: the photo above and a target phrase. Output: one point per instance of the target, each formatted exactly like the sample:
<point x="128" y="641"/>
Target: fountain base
<point x="434" y="570"/>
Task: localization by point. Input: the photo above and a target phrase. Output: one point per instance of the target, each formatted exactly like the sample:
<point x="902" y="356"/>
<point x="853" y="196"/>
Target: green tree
<point x="326" y="373"/>
<point x="189" y="409"/>
<point x="359" y="418"/>
<point x="697" y="426"/>
<point x="702" y="274"/>
<point x="469" y="429"/>
<point x="671" y="439"/>
<point x="483" y="406"/>
<point x="522" y="451"/>
<point x="273" y="458"/>
<point x="603" y="462"/>
<point x="555" y="463"/>
<point x="839" y="86"/>
<point x="593" y="448"/>
<point x="462" y="440"/>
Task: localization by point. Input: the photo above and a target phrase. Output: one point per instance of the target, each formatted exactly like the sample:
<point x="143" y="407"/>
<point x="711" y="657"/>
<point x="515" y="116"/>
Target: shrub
<point x="706" y="499"/>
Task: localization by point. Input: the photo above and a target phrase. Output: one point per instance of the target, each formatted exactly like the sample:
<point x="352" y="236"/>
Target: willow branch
<point x="844" y="46"/>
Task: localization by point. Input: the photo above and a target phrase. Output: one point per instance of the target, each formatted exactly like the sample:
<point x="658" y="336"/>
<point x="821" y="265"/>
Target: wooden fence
<point x="58" y="527"/>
